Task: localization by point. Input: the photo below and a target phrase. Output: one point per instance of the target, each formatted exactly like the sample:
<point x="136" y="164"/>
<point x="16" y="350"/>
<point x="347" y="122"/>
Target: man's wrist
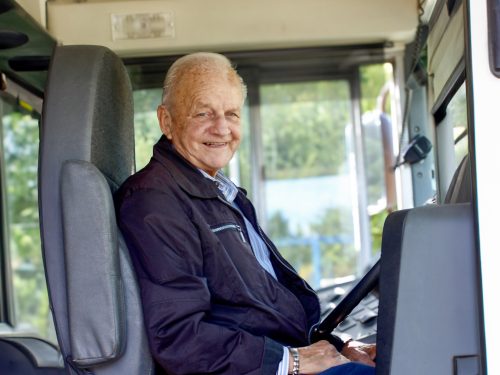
<point x="294" y="361"/>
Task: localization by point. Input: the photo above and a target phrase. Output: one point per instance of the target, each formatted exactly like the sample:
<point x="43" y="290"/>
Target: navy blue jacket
<point x="209" y="306"/>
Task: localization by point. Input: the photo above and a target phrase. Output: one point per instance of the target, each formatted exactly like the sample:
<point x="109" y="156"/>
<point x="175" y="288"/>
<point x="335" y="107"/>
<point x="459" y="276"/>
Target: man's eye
<point x="202" y="114"/>
<point x="233" y="115"/>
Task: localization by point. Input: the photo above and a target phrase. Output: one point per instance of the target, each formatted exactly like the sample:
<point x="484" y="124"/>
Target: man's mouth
<point x="215" y="144"/>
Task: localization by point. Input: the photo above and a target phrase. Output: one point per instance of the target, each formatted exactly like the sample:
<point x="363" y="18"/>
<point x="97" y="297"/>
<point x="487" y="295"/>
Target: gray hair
<point x="199" y="61"/>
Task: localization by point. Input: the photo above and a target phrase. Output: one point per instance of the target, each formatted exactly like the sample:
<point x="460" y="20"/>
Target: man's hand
<point x="317" y="357"/>
<point x="359" y="352"/>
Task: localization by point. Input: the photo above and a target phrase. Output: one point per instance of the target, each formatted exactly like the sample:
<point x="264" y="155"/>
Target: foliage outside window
<point x="304" y="127"/>
<point x="147" y="130"/>
<point x="307" y="176"/>
<point x="240" y="168"/>
<point x="20" y="153"/>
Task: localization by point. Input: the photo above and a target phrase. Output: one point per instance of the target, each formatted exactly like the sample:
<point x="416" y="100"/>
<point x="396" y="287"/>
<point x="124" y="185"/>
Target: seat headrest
<point x="95" y="123"/>
<point x="460" y="189"/>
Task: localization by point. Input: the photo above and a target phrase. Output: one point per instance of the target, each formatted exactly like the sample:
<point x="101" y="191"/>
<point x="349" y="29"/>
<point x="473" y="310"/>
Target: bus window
<point x="308" y="184"/>
<point x="376" y="86"/>
<point x="452" y="140"/>
<point x="147" y="131"/>
<point x="457" y="110"/>
<point x="239" y="169"/>
<point x="21" y="232"/>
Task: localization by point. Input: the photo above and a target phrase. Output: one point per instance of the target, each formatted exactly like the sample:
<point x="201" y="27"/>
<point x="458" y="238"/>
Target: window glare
<point x="457" y="111"/>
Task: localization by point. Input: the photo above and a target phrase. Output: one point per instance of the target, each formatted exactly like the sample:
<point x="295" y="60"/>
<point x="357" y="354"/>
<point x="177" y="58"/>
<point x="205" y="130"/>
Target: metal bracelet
<point x="295" y="355"/>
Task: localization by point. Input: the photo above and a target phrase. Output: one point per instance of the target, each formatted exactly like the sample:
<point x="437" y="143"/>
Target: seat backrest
<point x="87" y="151"/>
<point x="460" y="189"/>
<point x="428" y="308"/>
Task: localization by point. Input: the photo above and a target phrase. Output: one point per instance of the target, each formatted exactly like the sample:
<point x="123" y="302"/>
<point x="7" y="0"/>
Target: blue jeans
<point x="350" y="369"/>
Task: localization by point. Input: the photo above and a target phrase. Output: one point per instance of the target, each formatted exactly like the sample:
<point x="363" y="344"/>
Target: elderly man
<point x="217" y="296"/>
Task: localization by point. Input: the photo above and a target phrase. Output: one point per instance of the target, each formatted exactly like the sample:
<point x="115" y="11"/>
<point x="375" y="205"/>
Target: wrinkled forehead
<point x="208" y="73"/>
<point x="192" y="82"/>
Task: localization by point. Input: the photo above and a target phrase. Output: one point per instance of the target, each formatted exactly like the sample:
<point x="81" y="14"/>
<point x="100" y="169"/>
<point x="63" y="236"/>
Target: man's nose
<point x="221" y="126"/>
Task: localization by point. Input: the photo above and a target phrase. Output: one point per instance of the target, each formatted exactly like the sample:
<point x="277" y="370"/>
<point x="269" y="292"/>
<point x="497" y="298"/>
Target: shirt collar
<point x="225" y="185"/>
<point x="187" y="176"/>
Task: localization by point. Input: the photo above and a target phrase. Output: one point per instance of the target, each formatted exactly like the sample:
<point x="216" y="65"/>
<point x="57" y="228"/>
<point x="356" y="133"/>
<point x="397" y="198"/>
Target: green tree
<point x="147" y="131"/>
<point x="337" y="259"/>
<point x="376" y="226"/>
<point x="20" y="150"/>
<point x="304" y="128"/>
<point x="291" y="246"/>
<point x="373" y="79"/>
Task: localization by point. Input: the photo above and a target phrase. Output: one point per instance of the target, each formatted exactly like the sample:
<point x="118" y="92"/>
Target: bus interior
<point x="368" y="152"/>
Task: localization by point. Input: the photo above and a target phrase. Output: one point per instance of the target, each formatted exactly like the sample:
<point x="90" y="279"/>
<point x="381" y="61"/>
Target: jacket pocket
<point x="227" y="227"/>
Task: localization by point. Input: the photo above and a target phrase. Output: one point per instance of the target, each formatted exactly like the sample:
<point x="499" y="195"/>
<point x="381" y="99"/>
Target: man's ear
<point x="165" y="121"/>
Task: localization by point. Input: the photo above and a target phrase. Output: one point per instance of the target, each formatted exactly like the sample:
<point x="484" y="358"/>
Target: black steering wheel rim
<point x="364" y="286"/>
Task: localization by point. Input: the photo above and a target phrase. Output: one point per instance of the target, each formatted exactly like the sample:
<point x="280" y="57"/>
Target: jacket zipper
<point x="230" y="226"/>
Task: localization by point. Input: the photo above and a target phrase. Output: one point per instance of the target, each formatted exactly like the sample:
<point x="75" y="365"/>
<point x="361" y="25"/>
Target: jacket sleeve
<point x="167" y="253"/>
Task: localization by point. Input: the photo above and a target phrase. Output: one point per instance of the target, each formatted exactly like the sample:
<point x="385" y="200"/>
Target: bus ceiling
<point x="140" y="31"/>
<point x="157" y="27"/>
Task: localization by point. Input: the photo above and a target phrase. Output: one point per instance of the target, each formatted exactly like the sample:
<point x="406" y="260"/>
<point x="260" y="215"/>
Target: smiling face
<point x="203" y="121"/>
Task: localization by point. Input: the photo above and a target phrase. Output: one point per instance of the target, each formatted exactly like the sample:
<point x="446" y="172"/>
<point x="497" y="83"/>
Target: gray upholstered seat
<point x="86" y="151"/>
<point x="428" y="320"/>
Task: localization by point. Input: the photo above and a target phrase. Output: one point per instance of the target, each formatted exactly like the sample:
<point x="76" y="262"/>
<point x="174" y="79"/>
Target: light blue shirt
<point x="259" y="247"/>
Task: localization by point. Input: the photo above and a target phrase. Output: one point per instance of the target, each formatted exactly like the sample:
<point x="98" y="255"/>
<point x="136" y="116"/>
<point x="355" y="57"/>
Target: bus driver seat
<point x="87" y="151"/>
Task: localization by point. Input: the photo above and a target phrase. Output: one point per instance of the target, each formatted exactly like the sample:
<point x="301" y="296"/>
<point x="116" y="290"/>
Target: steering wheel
<point x="323" y="331"/>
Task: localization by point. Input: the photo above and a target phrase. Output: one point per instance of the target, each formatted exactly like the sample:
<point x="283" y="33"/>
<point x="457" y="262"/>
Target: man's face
<point x="204" y="123"/>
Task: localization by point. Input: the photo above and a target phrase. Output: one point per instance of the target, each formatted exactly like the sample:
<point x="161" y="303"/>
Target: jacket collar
<point x="184" y="173"/>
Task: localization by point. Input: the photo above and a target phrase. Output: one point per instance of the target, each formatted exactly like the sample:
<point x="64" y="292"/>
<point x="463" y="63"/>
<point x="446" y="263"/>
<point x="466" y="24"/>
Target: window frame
<point x="7" y="311"/>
